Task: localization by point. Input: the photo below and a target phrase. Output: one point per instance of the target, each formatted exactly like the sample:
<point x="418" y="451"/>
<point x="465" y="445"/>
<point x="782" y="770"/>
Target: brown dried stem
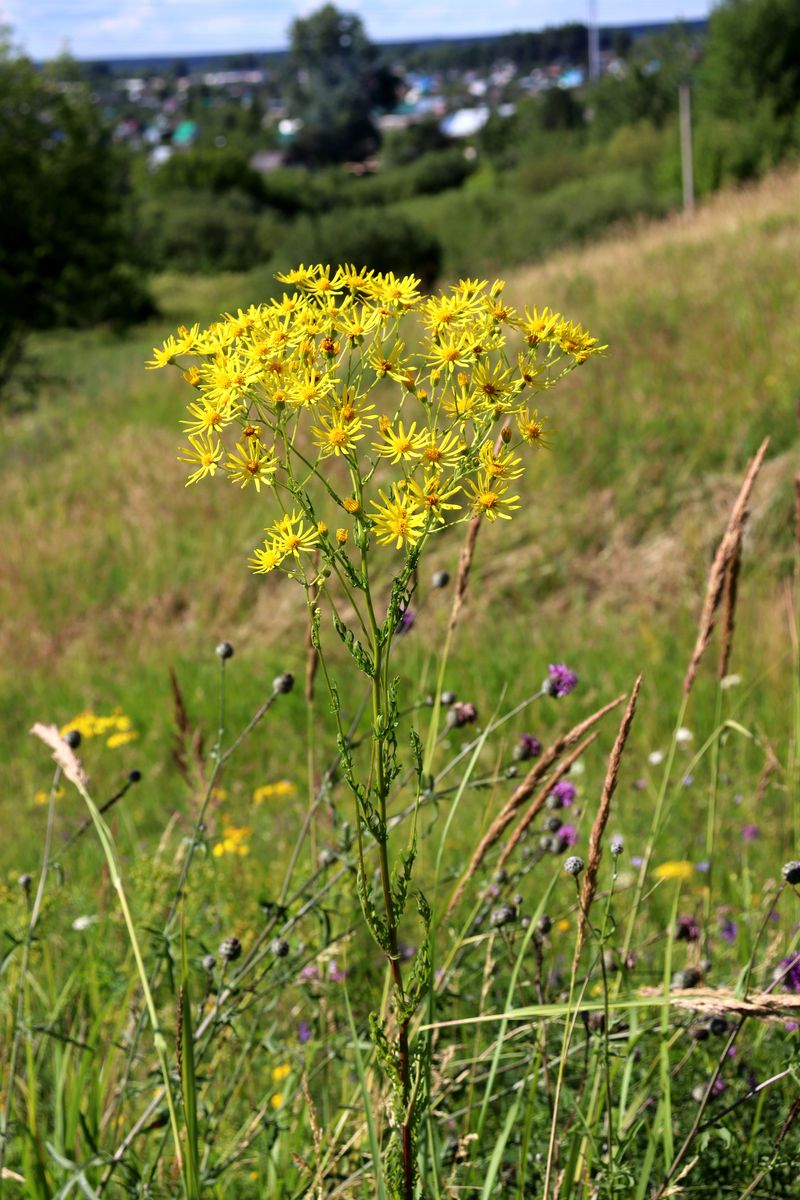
<point x="541" y="796"/>
<point x="601" y="820"/>
<point x="525" y="789"/>
<point x="729" y="594"/>
<point x="726" y="552"/>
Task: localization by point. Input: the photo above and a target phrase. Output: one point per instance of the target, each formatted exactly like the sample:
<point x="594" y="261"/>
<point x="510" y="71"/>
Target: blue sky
<point x="102" y="28"/>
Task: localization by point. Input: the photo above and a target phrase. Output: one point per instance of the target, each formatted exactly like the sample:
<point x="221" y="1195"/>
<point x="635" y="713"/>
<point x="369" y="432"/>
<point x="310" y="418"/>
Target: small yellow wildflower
<point x="350" y="504"/>
<point x="573" y="339"/>
<point x="443" y="450"/>
<point x="291" y="535"/>
<point x="397" y="520"/>
<point x="265" y="559"/>
<point x="539" y="326"/>
<point x="396" y="293"/>
<point x="447" y="353"/>
<point x="489" y="499"/>
<point x="121" y="739"/>
<point x="251" y="463"/>
<point x="277" y="1100"/>
<point x="164" y="356"/>
<point x="280" y="1073"/>
<point x="271" y="791"/>
<point x="681" y="870"/>
<point x="192" y="376"/>
<point x="207" y="416"/>
<point x="531" y="427"/>
<point x="334" y="436"/>
<point x="43" y="797"/>
<point x="399" y="445"/>
<point x="235" y="840"/>
<point x="499" y="466"/>
<point x="310" y="388"/>
<point x="432" y="496"/>
<point x="205" y="455"/>
<point x="342" y="536"/>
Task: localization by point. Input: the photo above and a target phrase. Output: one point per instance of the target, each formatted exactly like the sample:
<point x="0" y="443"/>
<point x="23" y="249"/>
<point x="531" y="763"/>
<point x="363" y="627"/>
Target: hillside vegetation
<point x="112" y="573"/>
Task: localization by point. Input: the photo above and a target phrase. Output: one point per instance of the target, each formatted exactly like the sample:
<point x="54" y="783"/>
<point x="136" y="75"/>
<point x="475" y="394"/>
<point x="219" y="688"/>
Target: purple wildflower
<point x="787" y="973"/>
<point x="561" y="681"/>
<point x="462" y="713"/>
<point x="493" y="890"/>
<point x="564" y="792"/>
<point x="335" y="973"/>
<point x="527" y="747"/>
<point x="686" y="928"/>
<point x="310" y="971"/>
<point x="636" y="860"/>
<point x="750" y="833"/>
<point x="304" y="1032"/>
<point x="729" y="930"/>
<point x="717" y="1087"/>
<point x="406" y="621"/>
<point x="567" y="836"/>
<point x="704" y="866"/>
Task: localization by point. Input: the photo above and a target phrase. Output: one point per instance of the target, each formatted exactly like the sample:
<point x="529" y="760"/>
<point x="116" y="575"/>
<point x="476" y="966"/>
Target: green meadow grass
<point x="113" y="575"/>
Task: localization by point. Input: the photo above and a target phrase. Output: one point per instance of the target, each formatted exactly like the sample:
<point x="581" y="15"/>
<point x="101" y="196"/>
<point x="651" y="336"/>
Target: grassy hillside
<point x="112" y="573"/>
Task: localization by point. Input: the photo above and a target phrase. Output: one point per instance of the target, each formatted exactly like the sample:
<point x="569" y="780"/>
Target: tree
<point x="753" y="58"/>
<point x="64" y="234"/>
<point x="337" y="84"/>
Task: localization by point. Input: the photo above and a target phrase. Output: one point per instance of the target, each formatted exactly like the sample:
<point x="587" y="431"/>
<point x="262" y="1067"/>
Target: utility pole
<point x="687" y="164"/>
<point x="594" y="42"/>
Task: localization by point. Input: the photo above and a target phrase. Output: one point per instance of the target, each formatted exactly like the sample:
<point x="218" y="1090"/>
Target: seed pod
<point x="230" y="949"/>
<point x="224" y="650"/>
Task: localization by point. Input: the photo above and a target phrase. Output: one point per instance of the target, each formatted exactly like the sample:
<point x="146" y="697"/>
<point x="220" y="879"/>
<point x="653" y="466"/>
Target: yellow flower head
<point x="531" y="427"/>
<point x="432" y="496"/>
<point x="251" y="463"/>
<point x="203" y="453"/>
<point x="334" y="436"/>
<point x="489" y="498"/>
<point x="291" y="535"/>
<point x="397" y="520"/>
<point x="399" y="445"/>
<point x="674" y="870"/>
<point x="500" y="465"/>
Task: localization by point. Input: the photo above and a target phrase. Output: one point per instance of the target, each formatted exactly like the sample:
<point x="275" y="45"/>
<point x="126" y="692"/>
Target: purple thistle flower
<point x="462" y="713"/>
<point x="527" y="747"/>
<point x="310" y="971"/>
<point x="750" y="833"/>
<point x="565" y="792"/>
<point x="686" y="928"/>
<point x="567" y="835"/>
<point x="561" y="681"/>
<point x="717" y="1087"/>
<point x="304" y="1032"/>
<point x="787" y="973"/>
<point x="406" y="621"/>
<point x="729" y="930"/>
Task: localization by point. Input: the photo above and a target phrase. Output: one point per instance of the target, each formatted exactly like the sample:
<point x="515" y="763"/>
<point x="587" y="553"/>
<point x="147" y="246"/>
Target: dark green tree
<point x="64" y="218"/>
<point x="337" y="84"/>
<point x="753" y="58"/>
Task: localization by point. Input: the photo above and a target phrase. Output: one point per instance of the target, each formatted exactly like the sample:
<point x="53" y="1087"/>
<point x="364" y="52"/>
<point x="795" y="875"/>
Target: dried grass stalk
<point x="462" y="575"/>
<point x="541" y="796"/>
<point x="523" y="791"/>
<point x="729" y="594"/>
<point x="64" y="755"/>
<point x="764" y="1007"/>
<point x="797" y="508"/>
<point x="601" y="820"/>
<point x="719" y="568"/>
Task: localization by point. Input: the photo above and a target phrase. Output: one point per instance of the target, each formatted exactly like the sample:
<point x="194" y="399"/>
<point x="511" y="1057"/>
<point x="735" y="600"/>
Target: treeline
<point x="84" y="223"/>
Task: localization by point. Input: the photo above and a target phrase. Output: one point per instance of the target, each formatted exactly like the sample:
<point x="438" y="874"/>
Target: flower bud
<point x="230" y="949"/>
<point x="440" y="579"/>
<point x="279" y="947"/>
<point x="73" y="738"/>
<point x="791" y="872"/>
<point x="283" y="683"/>
<point x="224" y="650"/>
<point x="574" y="865"/>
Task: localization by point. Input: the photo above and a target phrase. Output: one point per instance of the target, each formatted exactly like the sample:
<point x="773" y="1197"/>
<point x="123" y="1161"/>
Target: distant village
<point x="164" y="109"/>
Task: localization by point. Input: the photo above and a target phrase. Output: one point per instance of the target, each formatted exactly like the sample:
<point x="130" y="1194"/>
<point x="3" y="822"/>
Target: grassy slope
<point x="111" y="572"/>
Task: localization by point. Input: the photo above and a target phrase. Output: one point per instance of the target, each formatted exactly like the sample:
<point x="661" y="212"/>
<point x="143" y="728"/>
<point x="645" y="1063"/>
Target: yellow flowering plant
<point x="374" y="418"/>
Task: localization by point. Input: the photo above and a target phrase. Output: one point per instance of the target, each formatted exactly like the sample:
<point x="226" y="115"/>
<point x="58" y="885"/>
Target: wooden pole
<point x="687" y="165"/>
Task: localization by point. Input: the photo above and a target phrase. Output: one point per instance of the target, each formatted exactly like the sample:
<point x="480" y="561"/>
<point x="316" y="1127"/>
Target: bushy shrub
<point x="378" y="239"/>
<point x="189" y="231"/>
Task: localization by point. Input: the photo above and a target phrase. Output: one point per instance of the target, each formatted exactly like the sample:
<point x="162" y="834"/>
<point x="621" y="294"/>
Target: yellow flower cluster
<point x="235" y="840"/>
<point x="419" y="404"/>
<point x="116" y="728"/>
<point x="272" y="791"/>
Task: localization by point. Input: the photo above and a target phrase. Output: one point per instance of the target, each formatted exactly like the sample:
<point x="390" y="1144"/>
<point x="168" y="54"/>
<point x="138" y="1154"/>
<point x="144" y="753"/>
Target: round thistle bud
<point x="448" y="698"/>
<point x="25" y="882"/>
<point x="224" y="650"/>
<point x="553" y="824"/>
<point x="230" y="949"/>
<point x="279" y="947"/>
<point x="440" y="579"/>
<point x="610" y="961"/>
<point x="73" y="738"/>
<point x="791" y="872"/>
<point x="505" y="914"/>
<point x="511" y="772"/>
<point x="326" y="856"/>
<point x="501" y="875"/>
<point x="134" y="776"/>
<point x="574" y="865"/>
<point x="548" y="844"/>
<point x="209" y="962"/>
<point x="283" y="683"/>
<point x="718" y="1026"/>
<point x="616" y="846"/>
<point x="688" y="978"/>
<point x="699" y="1032"/>
<point x="544" y="924"/>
